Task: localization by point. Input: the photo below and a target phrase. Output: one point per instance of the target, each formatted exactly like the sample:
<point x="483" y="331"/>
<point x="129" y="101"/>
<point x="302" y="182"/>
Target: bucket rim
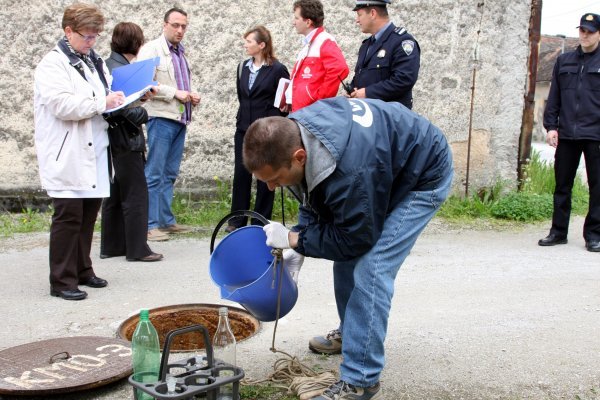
<point x="225" y="238"/>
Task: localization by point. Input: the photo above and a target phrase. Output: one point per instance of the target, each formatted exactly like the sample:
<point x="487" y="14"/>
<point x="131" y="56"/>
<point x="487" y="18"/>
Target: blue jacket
<point x="391" y="68"/>
<point x="379" y="153"/>
<point x="573" y="106"/>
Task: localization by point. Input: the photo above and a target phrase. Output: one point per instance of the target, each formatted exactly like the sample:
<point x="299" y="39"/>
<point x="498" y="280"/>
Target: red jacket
<point x="317" y="75"/>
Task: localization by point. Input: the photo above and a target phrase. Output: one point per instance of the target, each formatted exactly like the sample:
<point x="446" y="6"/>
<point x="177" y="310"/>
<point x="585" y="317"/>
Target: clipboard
<point x="134" y="80"/>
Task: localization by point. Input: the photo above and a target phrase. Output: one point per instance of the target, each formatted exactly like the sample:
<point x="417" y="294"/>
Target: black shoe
<point x="149" y="258"/>
<point x="593" y="245"/>
<point x="103" y="256"/>
<point x="69" y="294"/>
<point x="552" y="240"/>
<point x="95" y="282"/>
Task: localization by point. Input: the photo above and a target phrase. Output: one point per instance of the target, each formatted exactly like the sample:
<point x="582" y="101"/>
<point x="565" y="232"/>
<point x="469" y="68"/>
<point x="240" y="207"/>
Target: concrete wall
<point x="447" y="31"/>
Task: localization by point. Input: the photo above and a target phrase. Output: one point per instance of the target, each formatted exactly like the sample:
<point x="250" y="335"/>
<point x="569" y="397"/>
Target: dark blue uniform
<point x="391" y="68"/>
<point x="573" y="109"/>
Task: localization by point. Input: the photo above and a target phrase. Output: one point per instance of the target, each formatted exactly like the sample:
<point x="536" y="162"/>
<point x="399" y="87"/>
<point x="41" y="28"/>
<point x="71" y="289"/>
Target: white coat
<point x="64" y="105"/>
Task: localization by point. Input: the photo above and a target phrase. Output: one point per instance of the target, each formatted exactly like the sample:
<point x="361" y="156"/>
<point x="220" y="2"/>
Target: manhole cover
<point x="168" y="318"/>
<point x="63" y="365"/>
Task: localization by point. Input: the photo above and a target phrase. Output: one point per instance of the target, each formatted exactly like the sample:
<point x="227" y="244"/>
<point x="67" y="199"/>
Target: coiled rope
<point x="289" y="372"/>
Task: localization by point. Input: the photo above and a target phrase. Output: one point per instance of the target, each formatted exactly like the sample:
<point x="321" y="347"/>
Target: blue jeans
<point x="166" y="138"/>
<point x="364" y="286"/>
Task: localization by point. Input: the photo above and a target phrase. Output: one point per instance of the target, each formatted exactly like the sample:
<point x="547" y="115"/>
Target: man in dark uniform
<point x="388" y="62"/>
<point x="572" y="119"/>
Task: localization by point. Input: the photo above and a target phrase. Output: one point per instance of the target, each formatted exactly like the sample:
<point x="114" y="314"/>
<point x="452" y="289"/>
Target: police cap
<point x="370" y="3"/>
<point x="590" y="21"/>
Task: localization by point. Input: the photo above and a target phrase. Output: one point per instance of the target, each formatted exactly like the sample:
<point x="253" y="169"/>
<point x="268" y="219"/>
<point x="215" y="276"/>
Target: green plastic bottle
<point x="145" y="354"/>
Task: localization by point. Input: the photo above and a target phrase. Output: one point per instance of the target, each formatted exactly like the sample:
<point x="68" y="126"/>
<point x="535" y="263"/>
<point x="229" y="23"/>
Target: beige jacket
<point x="164" y="104"/>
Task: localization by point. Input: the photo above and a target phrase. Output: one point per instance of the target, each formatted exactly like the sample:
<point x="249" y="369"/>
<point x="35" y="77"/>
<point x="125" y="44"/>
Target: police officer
<point x="388" y="62"/>
<point x="572" y="119"/>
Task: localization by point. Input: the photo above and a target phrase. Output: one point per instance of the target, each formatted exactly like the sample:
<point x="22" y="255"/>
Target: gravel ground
<point x="479" y="313"/>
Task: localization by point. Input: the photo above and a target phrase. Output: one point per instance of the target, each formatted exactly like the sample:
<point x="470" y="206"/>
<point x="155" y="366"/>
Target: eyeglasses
<point x="177" y="26"/>
<point x="88" y="38"/>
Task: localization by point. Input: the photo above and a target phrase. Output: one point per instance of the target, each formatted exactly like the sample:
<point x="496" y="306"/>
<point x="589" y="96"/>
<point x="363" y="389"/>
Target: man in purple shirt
<point x="170" y="111"/>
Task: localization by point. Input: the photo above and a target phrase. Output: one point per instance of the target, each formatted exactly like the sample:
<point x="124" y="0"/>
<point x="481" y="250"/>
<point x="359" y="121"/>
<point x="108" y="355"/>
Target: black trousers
<point x="566" y="160"/>
<point x="124" y="229"/>
<point x="71" y="241"/>
<point x="242" y="187"/>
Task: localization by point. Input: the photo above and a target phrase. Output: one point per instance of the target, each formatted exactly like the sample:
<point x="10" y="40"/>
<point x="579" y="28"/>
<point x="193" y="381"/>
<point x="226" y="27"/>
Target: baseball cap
<point x="590" y="21"/>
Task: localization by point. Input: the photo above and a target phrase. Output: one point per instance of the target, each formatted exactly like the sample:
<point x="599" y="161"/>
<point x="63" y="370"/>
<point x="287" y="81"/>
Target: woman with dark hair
<point x="124" y="228"/>
<point x="257" y="81"/>
<point x="71" y="91"/>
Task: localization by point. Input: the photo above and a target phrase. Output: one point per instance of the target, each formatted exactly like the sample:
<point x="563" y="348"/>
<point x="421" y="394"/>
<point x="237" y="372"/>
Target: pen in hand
<point x="114" y="99"/>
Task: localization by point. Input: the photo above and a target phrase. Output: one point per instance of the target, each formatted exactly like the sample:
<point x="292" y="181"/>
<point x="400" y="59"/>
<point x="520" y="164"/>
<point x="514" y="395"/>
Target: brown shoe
<point x="149" y="258"/>
<point x="154" y="235"/>
<point x="176" y="228"/>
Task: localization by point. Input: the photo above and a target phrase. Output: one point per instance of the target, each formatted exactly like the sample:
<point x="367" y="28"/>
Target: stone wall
<point x="448" y="32"/>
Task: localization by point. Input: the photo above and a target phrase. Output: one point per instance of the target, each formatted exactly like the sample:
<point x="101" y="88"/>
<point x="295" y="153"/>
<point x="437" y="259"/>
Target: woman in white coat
<point x="70" y="95"/>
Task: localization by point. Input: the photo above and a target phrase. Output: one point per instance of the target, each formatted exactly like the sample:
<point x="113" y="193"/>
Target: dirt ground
<point x="479" y="312"/>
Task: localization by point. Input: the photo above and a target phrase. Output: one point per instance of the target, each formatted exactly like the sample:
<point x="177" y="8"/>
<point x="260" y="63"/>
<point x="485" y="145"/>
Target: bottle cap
<point x="223" y="311"/>
<point x="144" y="313"/>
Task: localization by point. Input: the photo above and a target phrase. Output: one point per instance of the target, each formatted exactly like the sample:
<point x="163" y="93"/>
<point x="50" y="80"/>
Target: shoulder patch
<point x="408" y="46"/>
<point x="400" y="30"/>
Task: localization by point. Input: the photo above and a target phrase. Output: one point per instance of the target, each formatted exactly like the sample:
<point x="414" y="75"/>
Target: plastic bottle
<point x="224" y="350"/>
<point x="145" y="354"/>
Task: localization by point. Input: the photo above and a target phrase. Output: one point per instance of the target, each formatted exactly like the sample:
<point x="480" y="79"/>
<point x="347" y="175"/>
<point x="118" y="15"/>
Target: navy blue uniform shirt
<point x="391" y="68"/>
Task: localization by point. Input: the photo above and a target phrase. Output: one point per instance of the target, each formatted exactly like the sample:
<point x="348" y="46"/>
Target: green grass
<point x="495" y="204"/>
<point x="27" y="221"/>
<point x="532" y="203"/>
<point x="207" y="213"/>
<point x="264" y="392"/>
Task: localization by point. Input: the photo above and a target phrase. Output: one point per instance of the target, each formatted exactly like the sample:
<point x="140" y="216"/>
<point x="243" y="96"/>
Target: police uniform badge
<point x="589" y="17"/>
<point x="408" y="46"/>
<point x="381" y="53"/>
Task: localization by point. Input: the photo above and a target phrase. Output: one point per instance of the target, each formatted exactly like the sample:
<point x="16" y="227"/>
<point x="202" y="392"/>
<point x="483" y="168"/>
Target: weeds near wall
<point x="27" y="221"/>
<point x="208" y="213"/>
<point x="533" y="203"/>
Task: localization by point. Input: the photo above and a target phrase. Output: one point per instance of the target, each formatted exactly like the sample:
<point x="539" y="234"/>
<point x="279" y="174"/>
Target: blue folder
<point x="134" y="77"/>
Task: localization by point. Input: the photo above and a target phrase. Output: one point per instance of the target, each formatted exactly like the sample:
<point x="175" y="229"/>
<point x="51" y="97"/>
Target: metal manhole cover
<point x="63" y="365"/>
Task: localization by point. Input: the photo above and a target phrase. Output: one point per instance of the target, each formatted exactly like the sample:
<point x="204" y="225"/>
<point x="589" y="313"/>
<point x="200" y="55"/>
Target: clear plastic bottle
<point x="145" y="353"/>
<point x="224" y="349"/>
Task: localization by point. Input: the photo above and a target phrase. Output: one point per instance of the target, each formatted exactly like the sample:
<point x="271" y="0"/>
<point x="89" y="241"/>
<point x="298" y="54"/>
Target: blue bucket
<point x="246" y="272"/>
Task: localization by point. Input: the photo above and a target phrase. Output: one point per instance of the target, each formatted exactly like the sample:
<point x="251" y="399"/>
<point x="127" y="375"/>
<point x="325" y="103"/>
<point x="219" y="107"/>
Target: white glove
<point x="293" y="261"/>
<point x="277" y="235"/>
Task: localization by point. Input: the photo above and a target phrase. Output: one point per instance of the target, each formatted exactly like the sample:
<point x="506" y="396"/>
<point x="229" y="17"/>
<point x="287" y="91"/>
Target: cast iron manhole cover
<point x="63" y="365"/>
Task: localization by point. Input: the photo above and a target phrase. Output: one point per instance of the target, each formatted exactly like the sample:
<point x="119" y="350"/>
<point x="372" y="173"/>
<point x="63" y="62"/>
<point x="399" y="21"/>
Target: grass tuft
<point x="533" y="203"/>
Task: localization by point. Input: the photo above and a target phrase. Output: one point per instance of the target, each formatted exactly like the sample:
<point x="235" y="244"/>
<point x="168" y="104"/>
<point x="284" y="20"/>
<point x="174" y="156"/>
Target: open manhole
<point x="168" y="318"/>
